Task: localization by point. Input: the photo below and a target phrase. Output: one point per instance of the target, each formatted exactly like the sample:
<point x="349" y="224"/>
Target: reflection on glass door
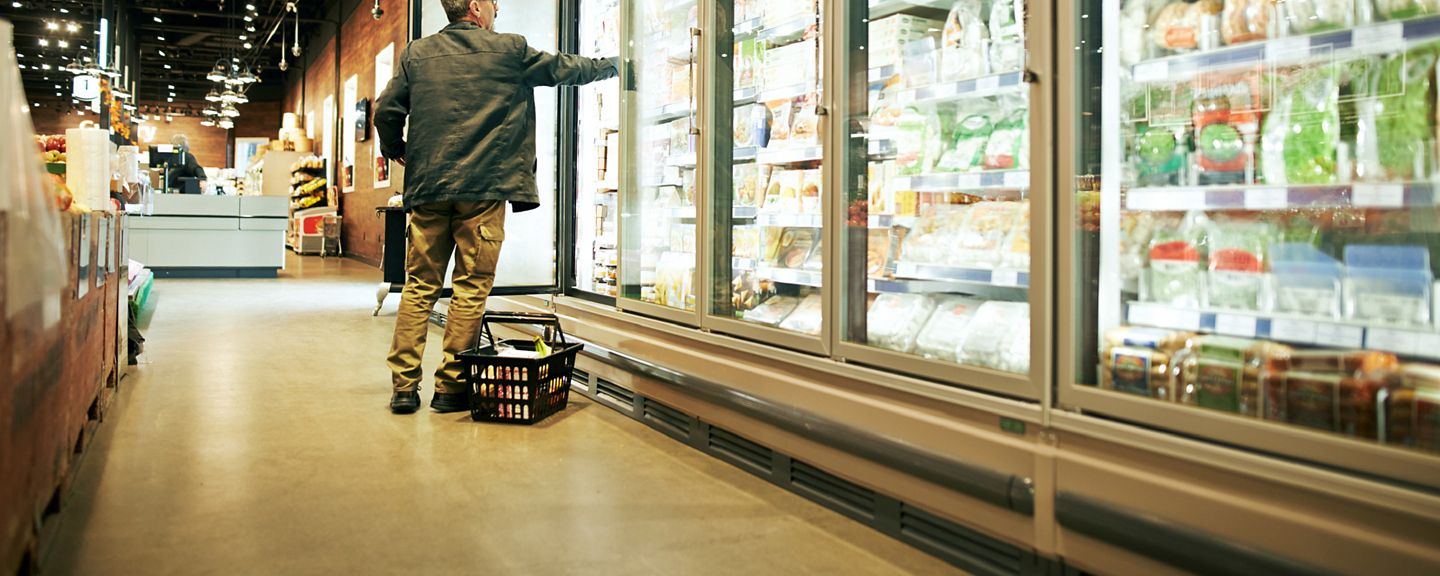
<point x="1257" y="207"/>
<point x="937" y="238"/>
<point x="659" y="233"/>
<point x="768" y="209"/>
<point x="597" y="207"/>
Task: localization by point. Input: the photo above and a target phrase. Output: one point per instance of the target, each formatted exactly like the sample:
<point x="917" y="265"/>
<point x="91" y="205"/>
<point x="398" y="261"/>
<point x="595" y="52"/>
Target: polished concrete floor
<point x="254" y="439"/>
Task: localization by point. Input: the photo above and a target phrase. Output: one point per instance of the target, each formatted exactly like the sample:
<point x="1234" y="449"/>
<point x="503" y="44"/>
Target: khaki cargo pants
<point x="473" y="232"/>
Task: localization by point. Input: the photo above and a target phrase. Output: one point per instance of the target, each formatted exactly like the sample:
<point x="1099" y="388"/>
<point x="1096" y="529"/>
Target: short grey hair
<point x="455" y="10"/>
<point x="179" y="140"/>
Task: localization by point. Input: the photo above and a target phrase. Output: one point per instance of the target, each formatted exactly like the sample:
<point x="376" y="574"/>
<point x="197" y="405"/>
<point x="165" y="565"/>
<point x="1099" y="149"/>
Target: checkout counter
<point x="199" y="236"/>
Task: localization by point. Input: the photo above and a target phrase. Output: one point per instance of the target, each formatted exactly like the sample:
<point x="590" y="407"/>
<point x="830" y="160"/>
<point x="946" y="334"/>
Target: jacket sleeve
<point x="546" y="69"/>
<point x="391" y="110"/>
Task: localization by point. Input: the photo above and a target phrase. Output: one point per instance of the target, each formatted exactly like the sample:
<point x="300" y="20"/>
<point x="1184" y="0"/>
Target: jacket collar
<point x="462" y="25"/>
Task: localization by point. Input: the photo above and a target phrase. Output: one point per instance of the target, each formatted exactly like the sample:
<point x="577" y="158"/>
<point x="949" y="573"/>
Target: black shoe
<point x="405" y="402"/>
<point x="450" y="402"/>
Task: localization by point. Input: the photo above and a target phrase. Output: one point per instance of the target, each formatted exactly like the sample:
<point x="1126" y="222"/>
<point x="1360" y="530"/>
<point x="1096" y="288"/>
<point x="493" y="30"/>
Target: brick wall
<point x="211" y="146"/>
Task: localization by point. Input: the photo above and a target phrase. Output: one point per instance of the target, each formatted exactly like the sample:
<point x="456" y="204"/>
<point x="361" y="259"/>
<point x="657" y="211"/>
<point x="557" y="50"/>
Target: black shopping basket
<point x="518" y="389"/>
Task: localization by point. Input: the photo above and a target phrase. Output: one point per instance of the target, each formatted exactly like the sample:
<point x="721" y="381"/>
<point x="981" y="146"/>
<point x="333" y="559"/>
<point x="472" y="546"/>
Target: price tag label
<point x="1389" y="340"/>
<point x="967" y="181"/>
<point x="1005" y="278"/>
<point x="1017" y="179"/>
<point x="987" y="84"/>
<point x="1186" y="200"/>
<point x="901" y="183"/>
<point x="1145" y="199"/>
<point x="1292" y="330"/>
<point x="1287" y="49"/>
<point x="1267" y="198"/>
<point x="1427" y="345"/>
<point x="1151" y="71"/>
<point x="1339" y="335"/>
<point x="1379" y="39"/>
<point x="1175" y="318"/>
<point x="1235" y="325"/>
<point x="1378" y="195"/>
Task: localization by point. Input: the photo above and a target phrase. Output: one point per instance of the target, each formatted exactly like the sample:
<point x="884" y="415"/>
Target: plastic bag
<point x="1302" y="133"/>
<point x="35" y="260"/>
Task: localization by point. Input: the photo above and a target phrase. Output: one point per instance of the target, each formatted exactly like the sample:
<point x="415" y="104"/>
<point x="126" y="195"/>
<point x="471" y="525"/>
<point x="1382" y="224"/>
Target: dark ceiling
<point x="179" y="42"/>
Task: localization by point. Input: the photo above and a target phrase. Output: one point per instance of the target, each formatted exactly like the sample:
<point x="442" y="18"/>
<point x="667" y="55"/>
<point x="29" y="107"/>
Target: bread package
<point x="1334" y="402"/>
<point x="1412" y="410"/>
<point x="1223" y="373"/>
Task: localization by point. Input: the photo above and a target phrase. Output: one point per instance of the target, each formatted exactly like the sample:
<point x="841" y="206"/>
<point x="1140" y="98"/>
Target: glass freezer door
<point x="658" y="205"/>
<point x="528" y="257"/>
<point x="940" y="192"/>
<point x="597" y="169"/>
<point x="769" y="172"/>
<point x="1255" y="225"/>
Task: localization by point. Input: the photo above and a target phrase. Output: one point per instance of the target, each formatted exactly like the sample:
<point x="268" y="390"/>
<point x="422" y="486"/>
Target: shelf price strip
<point x="1360" y="195"/>
<point x="1419" y="342"/>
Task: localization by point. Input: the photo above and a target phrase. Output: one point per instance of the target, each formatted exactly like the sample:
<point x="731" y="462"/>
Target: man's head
<point x="481" y="12"/>
<point x="180" y="140"/>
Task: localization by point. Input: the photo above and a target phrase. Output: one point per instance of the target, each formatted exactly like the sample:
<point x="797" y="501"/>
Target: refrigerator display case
<point x="658" y="193"/>
<point x="938" y="254"/>
<point x="1255" y="237"/>
<point x="768" y="172"/>
<point x="597" y="166"/>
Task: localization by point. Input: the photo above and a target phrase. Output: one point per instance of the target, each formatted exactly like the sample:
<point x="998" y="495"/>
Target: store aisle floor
<point x="254" y="439"/>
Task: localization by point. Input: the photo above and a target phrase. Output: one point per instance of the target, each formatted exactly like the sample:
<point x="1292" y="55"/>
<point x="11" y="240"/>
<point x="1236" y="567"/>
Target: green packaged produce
<point x="1395" y="118"/>
<point x="1302" y="133"/>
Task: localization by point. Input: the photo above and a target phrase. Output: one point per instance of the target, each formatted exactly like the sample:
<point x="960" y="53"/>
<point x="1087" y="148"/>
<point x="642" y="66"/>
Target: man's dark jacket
<point x="469" y="95"/>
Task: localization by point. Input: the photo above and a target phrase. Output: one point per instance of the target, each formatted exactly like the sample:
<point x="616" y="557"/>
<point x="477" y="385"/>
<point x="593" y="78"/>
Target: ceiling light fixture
<point x="207" y="122"/>
<point x="71" y="27"/>
<point x="161" y="52"/>
<point x="64" y="10"/>
<point x="210" y="111"/>
<point x="157" y="19"/>
<point x="52" y="26"/>
<point x="229" y="111"/>
<point x="62" y="44"/>
<point x="212" y="96"/>
<point x="240" y="98"/>
<point x="226" y="124"/>
<point x="217" y="74"/>
<point x="248" y="45"/>
<point x="229" y="96"/>
<point x="44" y="42"/>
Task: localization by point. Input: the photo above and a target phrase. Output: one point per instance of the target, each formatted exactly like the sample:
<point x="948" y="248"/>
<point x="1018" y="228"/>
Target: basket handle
<point x="531" y="318"/>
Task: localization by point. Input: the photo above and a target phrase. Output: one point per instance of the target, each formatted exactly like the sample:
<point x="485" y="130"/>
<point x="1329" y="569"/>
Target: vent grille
<point x="613" y="392"/>
<point x="742" y="452"/>
<point x="840" y="493"/>
<point x="580" y="379"/>
<point x="957" y="544"/>
<point x="665" y="418"/>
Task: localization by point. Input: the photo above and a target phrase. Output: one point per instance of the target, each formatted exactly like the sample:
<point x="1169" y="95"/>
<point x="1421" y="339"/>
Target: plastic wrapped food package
<point x="807" y="317"/>
<point x="1333" y="402"/>
<point x="1136" y="230"/>
<point x="1009" y="145"/>
<point x="1176" y="274"/>
<point x="910" y="142"/>
<point x="1237" y="263"/>
<point x="965" y="43"/>
<point x="1224" y="373"/>
<point x="877" y="253"/>
<point x="772" y="311"/>
<point x="1395" y="128"/>
<point x="1402" y="9"/>
<point x="971" y="136"/>
<point x="1007" y="35"/>
<point x="894" y="320"/>
<point x="1183" y="26"/>
<point x="746" y="242"/>
<point x="933" y="239"/>
<point x="1388" y="284"/>
<point x="805" y="126"/>
<point x="1247" y="20"/>
<point x="811" y="182"/>
<point x="998" y="337"/>
<point x="919" y="61"/>
<point x="1318" y="15"/>
<point x="1226" y="118"/>
<point x="942" y="333"/>
<point x="1140" y="360"/>
<point x="1412" y="409"/>
<point x="795" y="247"/>
<point x="1307" y="281"/>
<point x="1017" y="247"/>
<point x="1301" y="135"/>
<point x="987" y="228"/>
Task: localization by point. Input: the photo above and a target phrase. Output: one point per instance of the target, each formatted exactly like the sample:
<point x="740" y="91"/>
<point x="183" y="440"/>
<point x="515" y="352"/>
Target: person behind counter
<point x="186" y="174"/>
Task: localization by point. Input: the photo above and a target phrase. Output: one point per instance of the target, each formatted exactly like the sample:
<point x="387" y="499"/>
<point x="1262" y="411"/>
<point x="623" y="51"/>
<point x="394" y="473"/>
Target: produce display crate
<point x="513" y="389"/>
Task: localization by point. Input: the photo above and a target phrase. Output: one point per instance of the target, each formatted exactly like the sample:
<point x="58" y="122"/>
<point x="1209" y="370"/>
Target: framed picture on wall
<point x="347" y="133"/>
<point x="384" y="71"/>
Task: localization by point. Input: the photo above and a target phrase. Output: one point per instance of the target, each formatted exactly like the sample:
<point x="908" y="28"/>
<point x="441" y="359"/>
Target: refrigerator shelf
<point x="681" y="160"/>
<point x="1422" y="342"/>
<point x="912" y="286"/>
<point x="929" y="8"/>
<point x="783" y="220"/>
<point x="688" y="212"/>
<point x="746" y="154"/>
<point x="791" y="155"/>
<point x="966" y="181"/>
<point x="787" y="32"/>
<point x="748" y="27"/>
<point x="1380" y="38"/>
<point x="883" y="148"/>
<point x="1261" y="197"/>
<point x="1004" y="83"/>
<point x="883" y="73"/>
<point x="790" y="92"/>
<point x="743" y="96"/>
<point x="669" y="112"/>
<point x="1005" y="278"/>
<point x="813" y="278"/>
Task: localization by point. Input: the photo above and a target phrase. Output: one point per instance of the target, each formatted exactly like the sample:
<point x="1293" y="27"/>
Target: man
<point x="468" y="94"/>
<point x="189" y="169"/>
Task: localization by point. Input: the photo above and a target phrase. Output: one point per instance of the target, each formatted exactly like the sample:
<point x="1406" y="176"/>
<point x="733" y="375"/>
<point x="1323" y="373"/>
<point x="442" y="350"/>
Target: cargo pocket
<point x="488" y="249"/>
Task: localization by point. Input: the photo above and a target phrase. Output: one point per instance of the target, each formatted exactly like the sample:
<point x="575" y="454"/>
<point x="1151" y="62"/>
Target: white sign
<point x="87" y="88"/>
<point x="347" y="134"/>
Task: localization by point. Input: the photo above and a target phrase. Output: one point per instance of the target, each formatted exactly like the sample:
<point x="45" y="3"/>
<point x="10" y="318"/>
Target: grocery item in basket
<point x="943" y="332"/>
<point x="1395" y="128"/>
<point x="1176" y="273"/>
<point x="1318" y="15"/>
<point x="795" y="247"/>
<point x="772" y="311"/>
<point x="964" y="43"/>
<point x="1009" y="145"/>
<point x="1226" y="116"/>
<point x="1388" y="284"/>
<point x="1007" y="35"/>
<point x="1237" y="263"/>
<point x="1402" y="9"/>
<point x="1183" y="26"/>
<point x="998" y="337"/>
<point x="984" y="234"/>
<point x="969" y="151"/>
<point x="1307" y="281"/>
<point x="1412" y="408"/>
<point x="1334" y="402"/>
<point x="894" y="320"/>
<point x="1246" y="20"/>
<point x="807" y="317"/>
<point x="1300" y="136"/>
